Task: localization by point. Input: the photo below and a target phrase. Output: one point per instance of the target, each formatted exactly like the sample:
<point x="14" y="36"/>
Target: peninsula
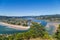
<point x="17" y="27"/>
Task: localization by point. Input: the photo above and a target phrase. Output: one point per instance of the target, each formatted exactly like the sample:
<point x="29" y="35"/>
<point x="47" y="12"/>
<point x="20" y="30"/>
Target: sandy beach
<point x="17" y="27"/>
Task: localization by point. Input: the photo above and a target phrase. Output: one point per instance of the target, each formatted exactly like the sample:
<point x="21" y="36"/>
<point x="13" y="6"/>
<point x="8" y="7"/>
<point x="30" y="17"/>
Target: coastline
<point x="17" y="27"/>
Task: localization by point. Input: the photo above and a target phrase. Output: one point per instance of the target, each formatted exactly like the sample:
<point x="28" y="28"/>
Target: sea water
<point x="7" y="30"/>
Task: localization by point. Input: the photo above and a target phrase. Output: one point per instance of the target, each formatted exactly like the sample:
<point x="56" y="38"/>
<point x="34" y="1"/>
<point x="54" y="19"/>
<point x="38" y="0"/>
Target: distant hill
<point x="41" y="16"/>
<point x="53" y="16"/>
<point x="49" y="16"/>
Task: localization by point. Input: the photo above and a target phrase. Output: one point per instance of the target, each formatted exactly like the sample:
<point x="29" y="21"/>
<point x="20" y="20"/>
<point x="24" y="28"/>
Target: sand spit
<point x="17" y="27"/>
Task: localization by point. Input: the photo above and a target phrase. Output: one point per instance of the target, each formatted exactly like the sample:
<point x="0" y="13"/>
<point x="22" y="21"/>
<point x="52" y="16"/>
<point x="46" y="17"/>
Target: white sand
<point x="17" y="27"/>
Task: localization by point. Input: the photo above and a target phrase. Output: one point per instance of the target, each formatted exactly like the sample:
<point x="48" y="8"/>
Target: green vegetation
<point x="57" y="34"/>
<point x="15" y="21"/>
<point x="36" y="31"/>
<point x="49" y="17"/>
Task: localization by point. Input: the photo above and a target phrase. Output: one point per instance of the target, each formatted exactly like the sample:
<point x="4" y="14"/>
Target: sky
<point x="29" y="7"/>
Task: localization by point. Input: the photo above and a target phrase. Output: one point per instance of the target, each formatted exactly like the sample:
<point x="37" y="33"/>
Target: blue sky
<point x="29" y="7"/>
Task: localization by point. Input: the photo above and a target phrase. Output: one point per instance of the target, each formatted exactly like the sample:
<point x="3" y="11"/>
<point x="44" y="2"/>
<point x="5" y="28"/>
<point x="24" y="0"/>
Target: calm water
<point x="42" y="22"/>
<point x="7" y="30"/>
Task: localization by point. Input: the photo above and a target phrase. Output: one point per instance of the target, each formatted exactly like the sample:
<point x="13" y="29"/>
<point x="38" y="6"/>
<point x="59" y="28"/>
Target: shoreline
<point x="17" y="27"/>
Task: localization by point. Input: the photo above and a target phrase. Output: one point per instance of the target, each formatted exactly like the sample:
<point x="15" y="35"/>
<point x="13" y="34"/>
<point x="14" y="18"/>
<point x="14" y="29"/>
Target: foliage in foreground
<point x="57" y="34"/>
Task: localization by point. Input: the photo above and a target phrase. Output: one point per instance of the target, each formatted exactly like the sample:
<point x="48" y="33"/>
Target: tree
<point x="47" y="36"/>
<point x="38" y="29"/>
<point x="19" y="36"/>
<point x="57" y="34"/>
<point x="10" y="37"/>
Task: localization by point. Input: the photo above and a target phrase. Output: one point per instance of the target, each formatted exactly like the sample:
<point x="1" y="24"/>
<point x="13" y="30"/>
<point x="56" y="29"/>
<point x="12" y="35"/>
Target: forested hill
<point x="49" y="17"/>
<point x="41" y="16"/>
<point x="18" y="16"/>
<point x="52" y="16"/>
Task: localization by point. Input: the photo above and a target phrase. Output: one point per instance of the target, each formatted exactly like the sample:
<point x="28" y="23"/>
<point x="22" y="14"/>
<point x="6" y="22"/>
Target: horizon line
<point x="27" y="15"/>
